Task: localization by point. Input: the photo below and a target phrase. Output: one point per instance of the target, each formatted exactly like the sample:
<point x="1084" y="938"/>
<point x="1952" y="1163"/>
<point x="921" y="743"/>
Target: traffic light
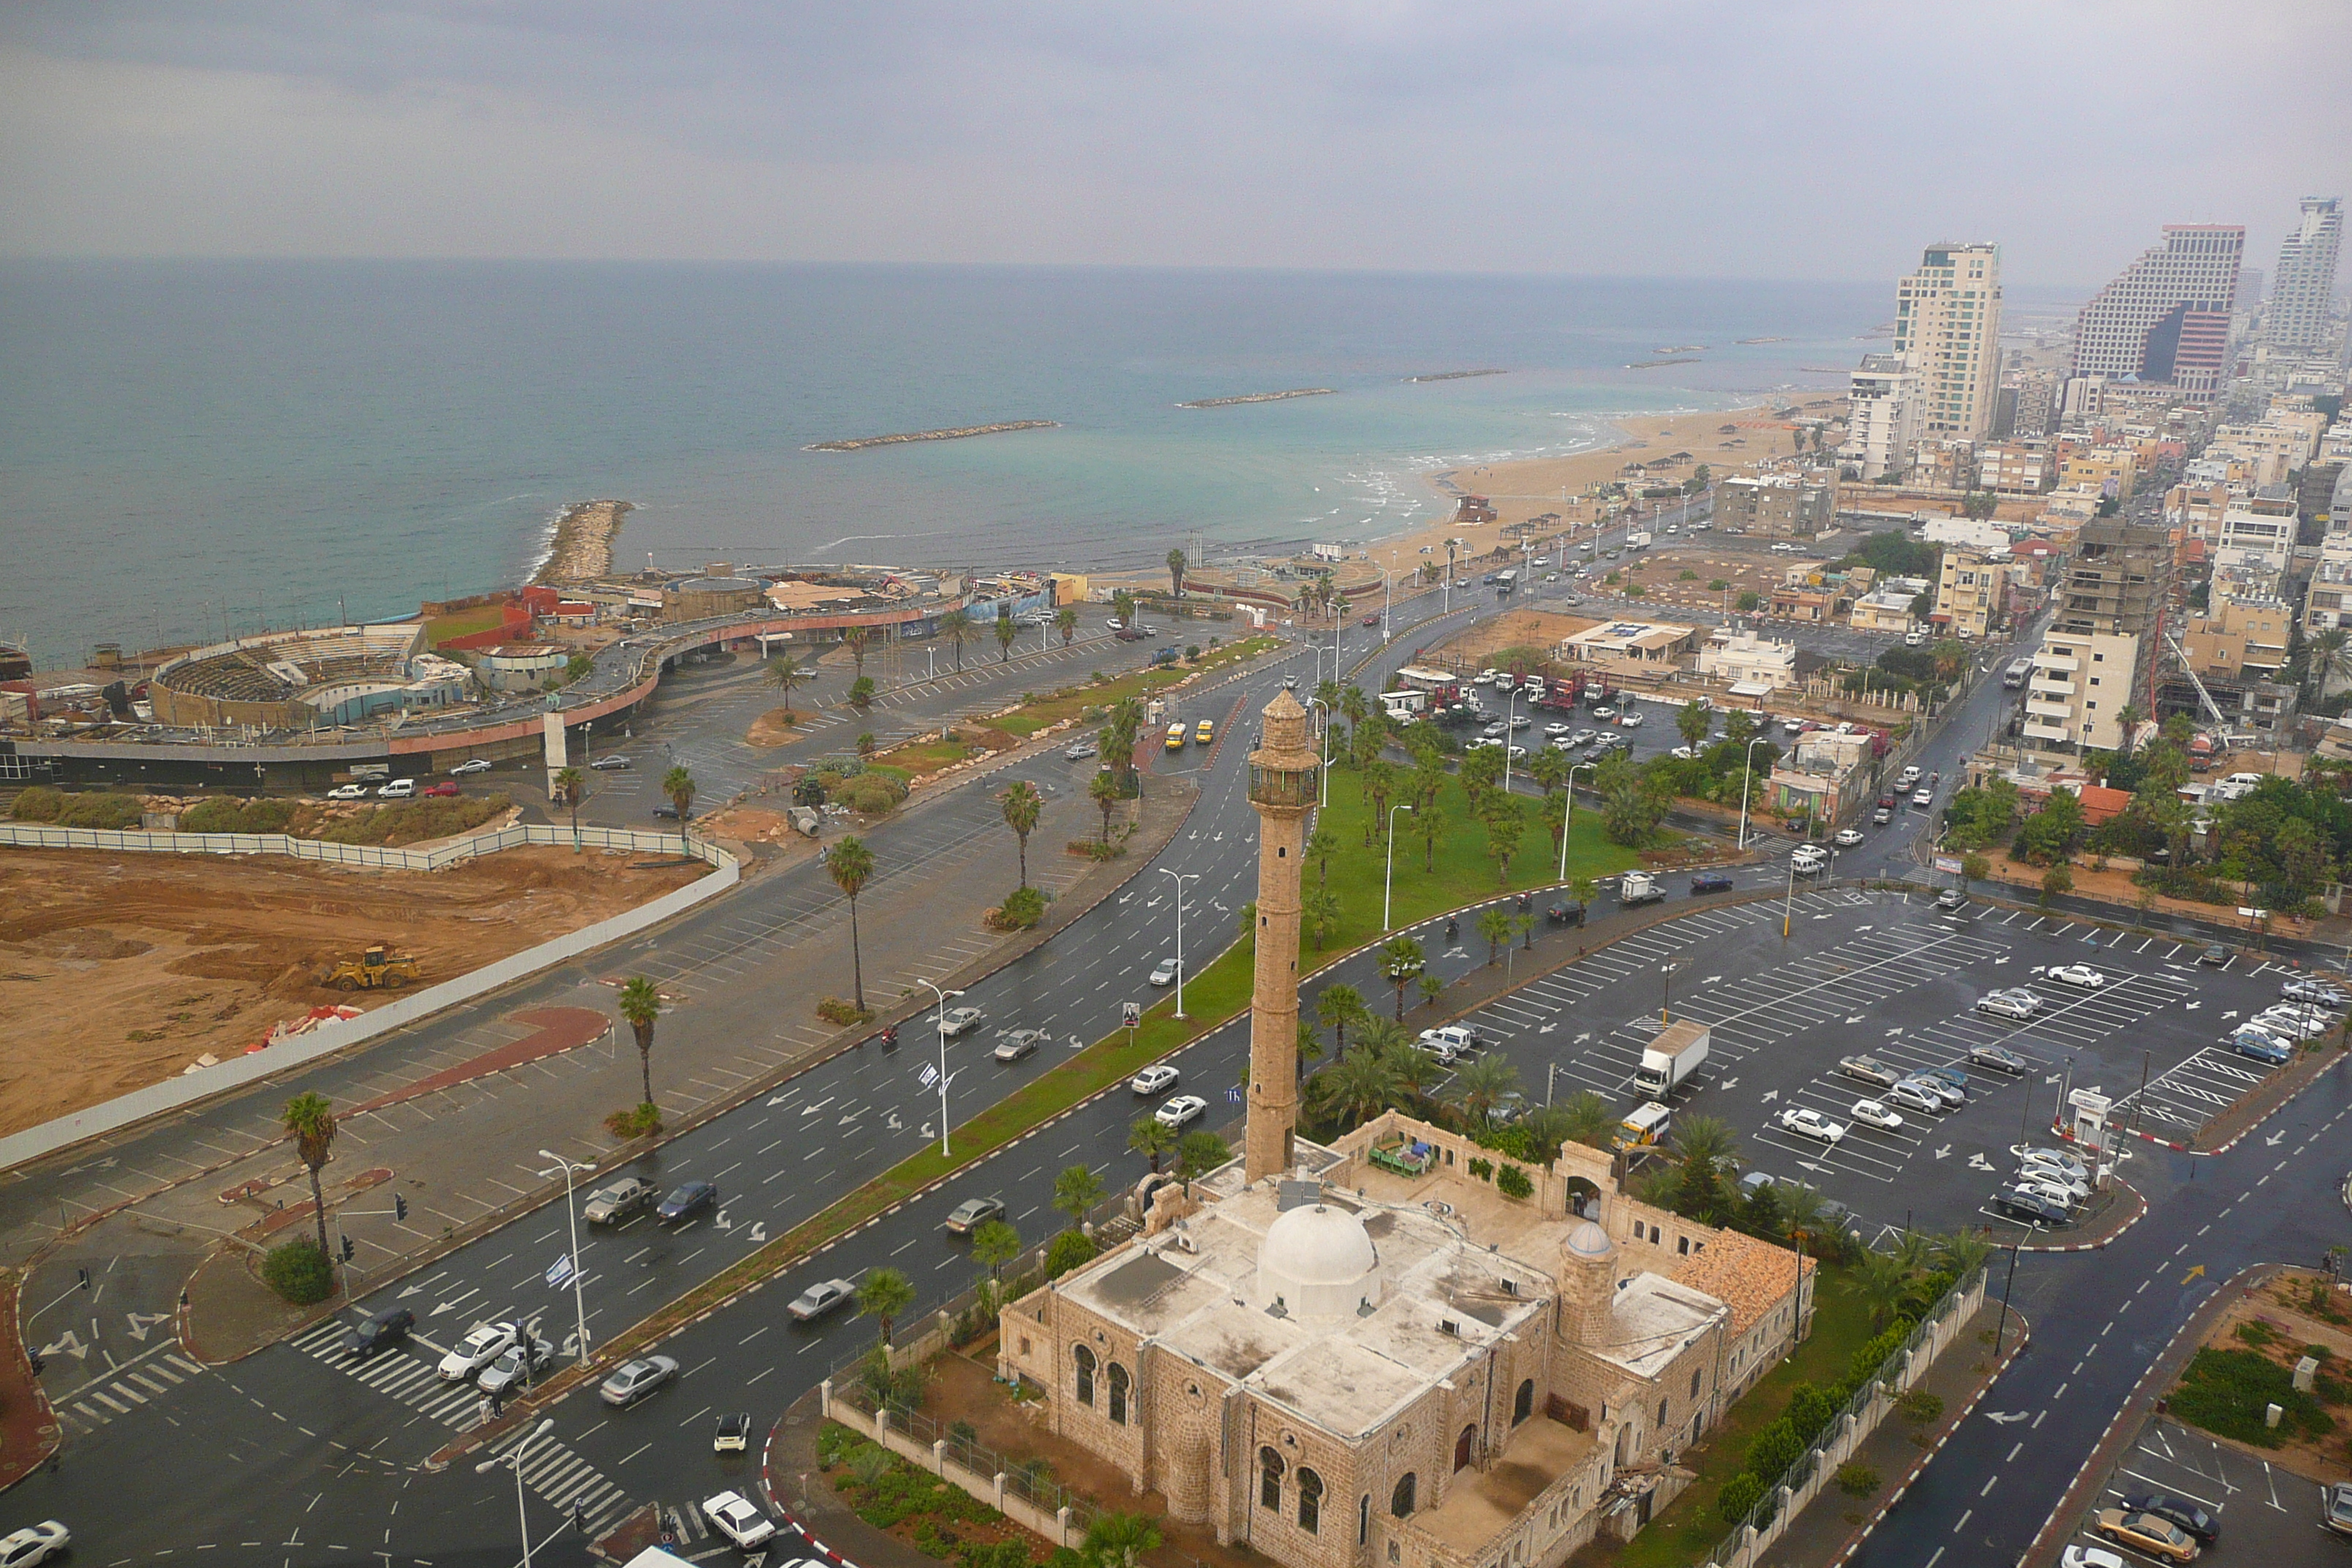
<point x="347" y="1249"/>
<point x="399" y="1206"/>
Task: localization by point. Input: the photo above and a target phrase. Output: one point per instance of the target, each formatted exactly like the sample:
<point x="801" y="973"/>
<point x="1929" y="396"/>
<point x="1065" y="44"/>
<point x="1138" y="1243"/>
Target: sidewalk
<point x="795" y="1485"/>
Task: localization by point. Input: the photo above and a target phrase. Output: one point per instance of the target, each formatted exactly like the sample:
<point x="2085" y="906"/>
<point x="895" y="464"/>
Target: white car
<point x="1557" y="731"/>
<point x="1783" y="548"/>
<point x="2059" y="1158"/>
<point x="1156" y="1080"/>
<point x="1807" y="1122"/>
<point x="2038" y="1174"/>
<point x="2295" y="1022"/>
<point x="1871" y="1113"/>
<point x="820" y="1298"/>
<point x="1808" y="859"/>
<point x="738" y="1520"/>
<point x="348" y="791"/>
<point x="957" y="1022"/>
<point x="1923" y="798"/>
<point x="1115" y="624"/>
<point x="1165" y="973"/>
<point x="1847" y="837"/>
<point x="2091" y="1557"/>
<point x="1181" y="1112"/>
<point x="2047" y="1188"/>
<point x="475" y="765"/>
<point x="2080" y="976"/>
<point x="398" y="789"/>
<point x="483" y="1345"/>
<point x="1628" y="719"/>
<point x="1910" y="777"/>
<point x="43" y="1543"/>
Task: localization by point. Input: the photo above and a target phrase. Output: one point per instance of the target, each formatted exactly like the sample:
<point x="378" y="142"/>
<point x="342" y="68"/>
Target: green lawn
<point x="1689" y="1529"/>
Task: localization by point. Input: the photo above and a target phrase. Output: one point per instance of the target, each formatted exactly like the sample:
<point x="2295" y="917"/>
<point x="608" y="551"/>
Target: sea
<point x="193" y="449"/>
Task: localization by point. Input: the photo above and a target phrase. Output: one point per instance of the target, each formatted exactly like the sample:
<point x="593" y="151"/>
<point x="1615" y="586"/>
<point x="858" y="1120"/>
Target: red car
<point x="445" y="787"/>
<point x="1373" y="619"/>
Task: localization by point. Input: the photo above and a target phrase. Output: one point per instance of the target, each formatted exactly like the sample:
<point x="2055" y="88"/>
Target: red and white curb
<point x="2110" y="1236"/>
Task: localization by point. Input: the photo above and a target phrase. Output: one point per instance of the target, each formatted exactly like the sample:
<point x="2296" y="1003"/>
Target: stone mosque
<point x="1365" y="1353"/>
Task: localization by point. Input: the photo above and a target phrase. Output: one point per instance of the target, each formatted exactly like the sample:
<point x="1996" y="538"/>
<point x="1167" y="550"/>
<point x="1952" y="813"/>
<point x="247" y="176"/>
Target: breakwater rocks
<point x="961" y="431"/>
<point x="1455" y="375"/>
<point x="1654" y="363"/>
<point x="1260" y="397"/>
<point x="580" y="550"/>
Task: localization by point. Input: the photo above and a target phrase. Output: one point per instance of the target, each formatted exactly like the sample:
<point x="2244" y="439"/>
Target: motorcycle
<point x="890" y="1038"/>
<point x="1453" y="930"/>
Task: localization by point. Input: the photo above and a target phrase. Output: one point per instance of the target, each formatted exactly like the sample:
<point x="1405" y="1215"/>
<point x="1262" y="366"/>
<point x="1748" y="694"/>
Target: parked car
<point x="2321" y="993"/>
<point x="1158" y="1078"/>
<point x="1871" y="1113"/>
<point x="686" y="1200"/>
<point x="380" y="1332"/>
<point x="1079" y="750"/>
<point x="1868" y="1068"/>
<point x="2260" y="1047"/>
<point x="348" y="791"/>
<point x="2303" y="1023"/>
<point x="519" y="1365"/>
<point x="483" y="1343"/>
<point x="733" y="1435"/>
<point x="2001" y="1058"/>
<point x="972" y="1212"/>
<point x="632" y="1380"/>
<point x="1020" y="1043"/>
<point x="614" y="765"/>
<point x="2080" y="975"/>
<point x="2060" y="1158"/>
<point x="470" y="766"/>
<point x="1451" y="1042"/>
<point x="1181" y="1112"/>
<point x="1807" y="1122"/>
<point x="2049" y="1191"/>
<point x="1952" y="1097"/>
<point x="2215" y="956"/>
<point x="1629" y="718"/>
<point x="43" y="1543"/>
<point x="398" y="789"/>
<point x="2149" y="1532"/>
<point x="2077" y="1188"/>
<point x="828" y="1296"/>
<point x="2008" y="1004"/>
<point x="617" y="1201"/>
<point x="957" y="1022"/>
<point x="2026" y="1203"/>
<point x="2336" y="1509"/>
<point x="1949" y="1076"/>
<point x="1913" y="1096"/>
<point x="445" y="790"/>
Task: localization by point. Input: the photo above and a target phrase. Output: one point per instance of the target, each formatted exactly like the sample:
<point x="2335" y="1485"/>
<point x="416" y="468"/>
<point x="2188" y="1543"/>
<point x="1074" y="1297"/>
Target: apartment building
<point x="2110" y="471"/>
<point x="2118" y="585"/>
<point x="2327" y="601"/>
<point x="2167" y="316"/>
<point x="2014" y="468"/>
<point x="2196" y="508"/>
<point x="2243" y="637"/>
<point x="2027" y="409"/>
<point x="2303" y="290"/>
<point x="1781" y="505"/>
<point x="1883" y="416"/>
<point x="2081" y="681"/>
<point x="2257" y="531"/>
<point x="1947" y="330"/>
<point x="1886" y="607"/>
<point x="1970" y="593"/>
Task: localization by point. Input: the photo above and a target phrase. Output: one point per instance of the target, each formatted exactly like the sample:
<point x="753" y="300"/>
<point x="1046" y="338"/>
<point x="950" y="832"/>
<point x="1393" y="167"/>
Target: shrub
<point x="39" y="803"/>
<point x="835" y="1010"/>
<point x="1023" y="908"/>
<point x="2225" y="1392"/>
<point x="644" y="1120"/>
<point x="870" y="794"/>
<point x="1856" y="1479"/>
<point x="1687" y="576"/>
<point x="238" y="816"/>
<point x="1749" y="600"/>
<point x="1717" y="586"/>
<point x="1513" y="1183"/>
<point x="1193" y="650"/>
<point x="298" y="1271"/>
<point x="1483" y="1169"/>
<point x="1070" y="1248"/>
<point x="1809" y="1410"/>
<point x="861" y="691"/>
<point x="1919" y="1405"/>
<point x="1741" y="1493"/>
<point x="106" y="811"/>
<point x="1771" y="1451"/>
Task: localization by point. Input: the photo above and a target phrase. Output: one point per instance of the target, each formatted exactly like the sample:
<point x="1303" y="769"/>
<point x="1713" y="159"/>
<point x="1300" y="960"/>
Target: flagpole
<point x="571" y="1219"/>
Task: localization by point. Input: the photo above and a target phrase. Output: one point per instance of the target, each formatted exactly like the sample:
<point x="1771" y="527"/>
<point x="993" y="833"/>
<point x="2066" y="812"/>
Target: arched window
<point x="1462" y="1447"/>
<point x="1269" y="1479"/>
<point x="1310" y="1501"/>
<point x="1525" y="1404"/>
<point x="1085" y="1359"/>
<point x="1401" y="1499"/>
<point x="1363" y="1518"/>
<point x="1119" y="1394"/>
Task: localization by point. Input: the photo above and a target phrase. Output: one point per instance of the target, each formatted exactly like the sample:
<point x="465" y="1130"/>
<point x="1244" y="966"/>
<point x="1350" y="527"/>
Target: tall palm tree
<point x="1321" y="910"/>
<point x="2330" y="656"/>
<point x="310" y="1120"/>
<point x="1401" y="961"/>
<point x="678" y="784"/>
<point x="1077" y="1191"/>
<point x="851" y="866"/>
<point x="883" y="1295"/>
<point x="1103" y="790"/>
<point x="1023" y="805"/>
<point x="1358" y="1086"/>
<point x="1478" y="1088"/>
<point x="1006" y="635"/>
<point x="856" y="639"/>
<point x="1151" y="1137"/>
<point x="1118" y="1540"/>
<point x="571" y="789"/>
<point x="995" y="1244"/>
<point x="641" y="1003"/>
<point x="1961" y="1251"/>
<point x="1065" y="621"/>
<point x="1176" y="572"/>
<point x="2129" y="717"/>
<point x="1354" y="706"/>
<point x="1693" y="720"/>
<point x="1882" y="1282"/>
<point x="1322" y="845"/>
<point x="1585" y="1117"/>
<point x="1416" y="1070"/>
<point x="1122" y="606"/>
<point x="787" y="674"/>
<point x="956" y="626"/>
<point x="1338" y="1008"/>
<point x="1800" y="1212"/>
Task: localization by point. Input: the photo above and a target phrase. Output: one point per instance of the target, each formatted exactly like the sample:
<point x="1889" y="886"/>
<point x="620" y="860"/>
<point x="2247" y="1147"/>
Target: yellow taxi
<point x="1176" y="736"/>
<point x="1204" y="733"/>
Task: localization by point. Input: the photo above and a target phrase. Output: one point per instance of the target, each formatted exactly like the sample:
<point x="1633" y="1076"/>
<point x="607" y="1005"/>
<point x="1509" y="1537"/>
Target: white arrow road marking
<point x="2051" y="1078"/>
<point x="1946" y="1149"/>
<point x="2005" y="1416"/>
<point x="1824" y="915"/>
<point x="1729" y="1083"/>
<point x="759" y="1234"/>
<point x="1894" y="1031"/>
<point x="775" y="1099"/>
<point x="2272" y="1141"/>
<point x="411" y="1291"/>
<point x="1076" y="1044"/>
<point x="1808" y="1164"/>
<point x="720" y="1223"/>
<point x="1583" y="1037"/>
<point x="142" y="1322"/>
<point x="1856" y="1018"/>
<point x="69" y="1344"/>
<point x="2194" y="1005"/>
<point x="1767" y="1097"/>
<point x="1547" y="1029"/>
<point x="1979" y="1162"/>
<point x="1216" y="839"/>
<point x="1713" y="978"/>
<point x="890" y="1120"/>
<point x="2230" y="1013"/>
<point x="820" y="1105"/>
<point x="928" y="1133"/>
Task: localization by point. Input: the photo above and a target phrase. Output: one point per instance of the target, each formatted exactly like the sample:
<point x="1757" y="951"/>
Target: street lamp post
<point x="1666" y="1006"/>
<point x="1182" y="877"/>
<point x="1388" y="877"/>
<point x="1789" y="902"/>
<point x="1568" y="814"/>
<point x="1746" y="786"/>
<point x="512" y="1459"/>
<point x="1323" y="790"/>
<point x="1510" y="711"/>
<point x="571" y="1219"/>
<point x="940" y="1018"/>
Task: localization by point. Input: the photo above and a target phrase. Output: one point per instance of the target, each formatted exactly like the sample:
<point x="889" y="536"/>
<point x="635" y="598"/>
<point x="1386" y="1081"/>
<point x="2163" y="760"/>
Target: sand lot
<point x="1660" y="573"/>
<point x="118" y="970"/>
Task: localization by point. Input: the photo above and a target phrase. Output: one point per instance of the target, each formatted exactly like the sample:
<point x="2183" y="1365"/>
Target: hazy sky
<point x="1803" y="139"/>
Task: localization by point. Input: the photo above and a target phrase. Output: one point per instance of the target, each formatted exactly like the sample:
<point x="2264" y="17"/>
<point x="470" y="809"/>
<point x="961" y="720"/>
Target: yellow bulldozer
<point x="373" y="970"/>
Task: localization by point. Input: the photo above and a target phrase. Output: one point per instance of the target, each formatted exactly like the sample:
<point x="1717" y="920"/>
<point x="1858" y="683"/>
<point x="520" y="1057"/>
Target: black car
<point x="2187" y="1515"/>
<point x="1565" y="914"/>
<point x="383" y="1331"/>
<point x="2025" y="1203"/>
<point x="691" y="1198"/>
<point x="1711" y="882"/>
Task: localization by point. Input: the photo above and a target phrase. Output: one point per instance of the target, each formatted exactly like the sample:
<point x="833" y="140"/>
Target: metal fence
<point x="40" y="835"/>
<point x="1028" y="1480"/>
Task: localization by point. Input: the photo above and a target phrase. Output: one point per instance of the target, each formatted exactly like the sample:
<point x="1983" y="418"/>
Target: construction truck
<point x="374" y="970"/>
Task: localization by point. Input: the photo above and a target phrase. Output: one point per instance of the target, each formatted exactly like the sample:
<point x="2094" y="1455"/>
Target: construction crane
<point x="2220" y="720"/>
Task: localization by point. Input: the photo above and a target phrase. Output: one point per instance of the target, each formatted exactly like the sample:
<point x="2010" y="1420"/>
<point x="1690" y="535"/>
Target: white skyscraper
<point x="1947" y="330"/>
<point x="2167" y="317"/>
<point x="1883" y="416"/>
<point x="2305" y="279"/>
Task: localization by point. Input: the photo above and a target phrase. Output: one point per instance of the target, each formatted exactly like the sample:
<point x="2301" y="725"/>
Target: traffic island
<point x="28" y="1429"/>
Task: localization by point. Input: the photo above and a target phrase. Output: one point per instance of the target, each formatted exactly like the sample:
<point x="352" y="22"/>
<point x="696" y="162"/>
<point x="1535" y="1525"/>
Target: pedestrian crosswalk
<point x="99" y="1401"/>
<point x="551" y="1468"/>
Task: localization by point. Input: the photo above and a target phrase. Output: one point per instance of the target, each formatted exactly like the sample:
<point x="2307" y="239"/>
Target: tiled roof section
<point x="1747" y="1275"/>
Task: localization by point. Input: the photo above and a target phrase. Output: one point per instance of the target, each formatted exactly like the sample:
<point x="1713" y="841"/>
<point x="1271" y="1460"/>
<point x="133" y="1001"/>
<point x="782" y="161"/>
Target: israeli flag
<point x="560" y="1270"/>
<point x="929" y="1076"/>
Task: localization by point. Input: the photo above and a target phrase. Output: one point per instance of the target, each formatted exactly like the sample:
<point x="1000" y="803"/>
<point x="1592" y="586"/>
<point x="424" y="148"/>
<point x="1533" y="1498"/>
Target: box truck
<point x="1678" y="1051"/>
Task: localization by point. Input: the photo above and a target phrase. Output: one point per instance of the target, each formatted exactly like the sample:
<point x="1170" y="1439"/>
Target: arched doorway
<point x="1583" y="1198"/>
<point x="1525" y="1404"/>
<point x="1401" y="1499"/>
<point x="1464" y="1445"/>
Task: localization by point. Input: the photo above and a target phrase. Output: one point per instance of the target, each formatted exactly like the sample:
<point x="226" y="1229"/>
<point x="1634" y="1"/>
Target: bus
<point x="1505" y="581"/>
<point x="2014" y="676"/>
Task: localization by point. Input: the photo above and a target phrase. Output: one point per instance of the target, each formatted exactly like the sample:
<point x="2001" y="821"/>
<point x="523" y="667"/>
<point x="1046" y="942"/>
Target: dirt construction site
<point x="118" y="970"/>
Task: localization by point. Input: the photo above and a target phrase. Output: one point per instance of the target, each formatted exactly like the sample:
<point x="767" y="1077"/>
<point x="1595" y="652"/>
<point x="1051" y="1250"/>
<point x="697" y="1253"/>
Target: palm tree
<point x="1354" y="707"/>
<point x="309" y="1118"/>
<point x="1963" y="1252"/>
<point x="1585" y="1117"/>
<point x="851" y="865"/>
<point x="1800" y="1212"/>
<point x="956" y="626"/>
<point x="678" y="784"/>
<point x="2129" y="717"/>
<point x="995" y="1244"/>
<point x="1358" y="1086"/>
<point x="1176" y="574"/>
<point x="1709" y="1149"/>
<point x="1882" y="1281"/>
<point x="1122" y="606"/>
<point x="856" y="640"/>
<point x="1151" y="1137"/>
<point x="1120" y="1539"/>
<point x="1065" y="621"/>
<point x="1692" y="721"/>
<point x="1103" y="791"/>
<point x="787" y="674"/>
<point x="1321" y="910"/>
<point x="1740" y="727"/>
<point x="2328" y="657"/>
<point x="1006" y="632"/>
<point x="1022" y="805"/>
<point x="885" y="1294"/>
<point x="1200" y="1152"/>
<point x="1340" y="1007"/>
<point x="1480" y="1087"/>
<point x="1401" y="960"/>
<point x="1416" y="1070"/>
<point x="1077" y="1191"/>
<point x="571" y="789"/>
<point x="641" y="1003"/>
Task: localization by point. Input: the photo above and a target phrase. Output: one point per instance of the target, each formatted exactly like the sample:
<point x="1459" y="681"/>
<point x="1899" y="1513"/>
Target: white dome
<point x="1319" y="1261"/>
<point x="1588" y="1243"/>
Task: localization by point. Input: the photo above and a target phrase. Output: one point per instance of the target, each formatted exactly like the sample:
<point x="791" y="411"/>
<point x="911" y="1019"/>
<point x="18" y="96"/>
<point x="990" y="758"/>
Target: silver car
<point x="524" y="1360"/>
<point x="632" y="1380"/>
<point x="818" y="1299"/>
<point x="617" y="1201"/>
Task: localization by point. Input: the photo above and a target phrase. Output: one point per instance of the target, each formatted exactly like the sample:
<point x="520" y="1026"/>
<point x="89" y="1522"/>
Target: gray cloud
<point x="1814" y="139"/>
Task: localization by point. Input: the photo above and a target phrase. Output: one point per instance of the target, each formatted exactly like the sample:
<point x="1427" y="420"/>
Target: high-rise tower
<point x="1282" y="788"/>
<point x="2170" y="307"/>
<point x="2305" y="284"/>
<point x="1947" y="330"/>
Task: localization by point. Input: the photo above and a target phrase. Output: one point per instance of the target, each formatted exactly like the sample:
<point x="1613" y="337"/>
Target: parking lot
<point x="1885" y="976"/>
<point x="2266" y="1515"/>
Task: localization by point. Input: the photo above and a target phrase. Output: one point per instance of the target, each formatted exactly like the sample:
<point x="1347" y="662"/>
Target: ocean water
<point x="195" y="448"/>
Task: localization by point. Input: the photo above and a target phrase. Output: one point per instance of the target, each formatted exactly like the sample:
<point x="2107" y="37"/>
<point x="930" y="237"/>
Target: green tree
<point x="1151" y="1138"/>
<point x="851" y="865"/>
<point x="788" y="675"/>
<point x="1481" y="1085"/>
<point x="1494" y="926"/>
<point x="1692" y="721"/>
<point x="1320" y="910"/>
<point x="1401" y="960"/>
<point x="1340" y="1007"/>
<point x="995" y="1244"/>
<point x="1740" y="727"/>
<point x="1358" y="1086"/>
<point x="1709" y="1151"/>
<point x="883" y="1295"/>
<point x="856" y="639"/>
<point x="310" y="1120"/>
<point x="1481" y="773"/>
<point x="1176" y="576"/>
<point x="1022" y="805"/>
<point x="1882" y="1282"/>
<point x="678" y="785"/>
<point x="1121" y="1539"/>
<point x="1077" y="1191"/>
<point x="1585" y="1117"/>
<point x="861" y="693"/>
<point x="571" y="789"/>
<point x="1430" y="823"/>
<point x="641" y="1004"/>
<point x="1103" y="791"/>
<point x="957" y="626"/>
<point x="1632" y="803"/>
<point x="1432" y="989"/>
<point x="1007" y="633"/>
<point x="1380" y="783"/>
<point x="1065" y="621"/>
<point x="1322" y="845"/>
<point x="1504" y="819"/>
<point x="1974" y="869"/>
<point x="1200" y="1152"/>
<point x="1122" y="606"/>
